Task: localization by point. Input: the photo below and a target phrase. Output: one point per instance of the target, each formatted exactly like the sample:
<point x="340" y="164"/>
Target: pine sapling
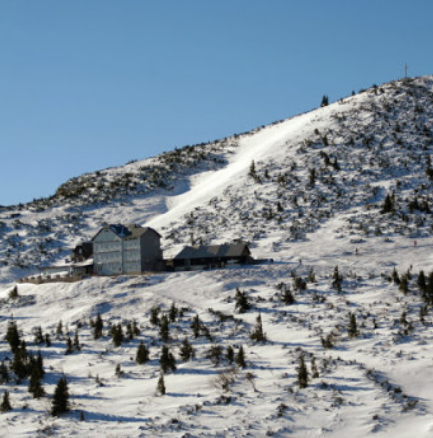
<point x="302" y="372"/>
<point x="257" y="334"/>
<point x="160" y="389"/>
<point x="240" y="358"/>
<point x="5" y="405"/>
<point x="142" y="355"/>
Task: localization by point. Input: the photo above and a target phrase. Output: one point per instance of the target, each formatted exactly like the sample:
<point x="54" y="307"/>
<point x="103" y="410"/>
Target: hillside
<point x="346" y="185"/>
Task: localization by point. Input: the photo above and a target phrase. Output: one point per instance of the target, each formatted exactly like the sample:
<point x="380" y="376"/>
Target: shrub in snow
<point x="60" y="403"/>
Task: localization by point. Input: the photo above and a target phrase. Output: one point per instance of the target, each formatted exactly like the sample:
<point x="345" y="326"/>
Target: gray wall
<point x="113" y="255"/>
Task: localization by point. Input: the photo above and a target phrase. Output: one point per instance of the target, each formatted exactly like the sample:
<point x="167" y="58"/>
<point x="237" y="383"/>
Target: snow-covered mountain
<point x="347" y="185"/>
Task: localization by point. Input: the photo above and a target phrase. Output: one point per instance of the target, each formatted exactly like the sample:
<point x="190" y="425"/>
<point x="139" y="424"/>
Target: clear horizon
<point x="90" y="85"/>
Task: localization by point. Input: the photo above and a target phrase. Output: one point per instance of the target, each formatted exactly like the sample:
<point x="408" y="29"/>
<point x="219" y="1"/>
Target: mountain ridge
<point x="339" y="198"/>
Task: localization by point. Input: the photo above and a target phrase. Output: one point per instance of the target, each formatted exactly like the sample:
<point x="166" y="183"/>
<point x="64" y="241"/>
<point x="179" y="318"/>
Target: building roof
<point x="125" y="231"/>
<point x="214" y="251"/>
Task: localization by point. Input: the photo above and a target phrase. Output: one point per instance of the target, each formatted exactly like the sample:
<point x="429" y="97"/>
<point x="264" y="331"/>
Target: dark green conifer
<point x="154" y="315"/>
<point x="258" y="334"/>
<point x="4" y="373"/>
<point x="117" y="335"/>
<point x="5" y="406"/>
<point x="160" y="389"/>
<point x="35" y="384"/>
<point x="302" y="372"/>
<point x="39" y="364"/>
<point x="421" y="282"/>
<point x="353" y="328"/>
<point x="39" y="337"/>
<point x="69" y="347"/>
<point x="325" y="100"/>
<point x="97" y="327"/>
<point x="287" y="296"/>
<point x="164" y="330"/>
<point x="20" y="363"/>
<point x="240" y="358"/>
<point x="47" y="340"/>
<point x="167" y="360"/>
<point x="142" y="355"/>
<point x="196" y="326"/>
<point x="12" y="336"/>
<point x="242" y="304"/>
<point x="230" y="353"/>
<point x="214" y="354"/>
<point x="186" y="352"/>
<point x="314" y="370"/>
<point x="173" y="313"/>
<point x="60" y="403"/>
<point x="59" y="330"/>
<point x="76" y="343"/>
<point x="135" y="329"/>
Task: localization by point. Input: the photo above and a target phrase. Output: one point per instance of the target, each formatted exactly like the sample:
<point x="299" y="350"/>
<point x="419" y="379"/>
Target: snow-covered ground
<point x="377" y="383"/>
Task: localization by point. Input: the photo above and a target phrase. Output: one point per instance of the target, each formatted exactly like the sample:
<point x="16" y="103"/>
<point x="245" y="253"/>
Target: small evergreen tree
<point x="421" y="282"/>
<point x="59" y="330"/>
<point x="257" y="334"/>
<point x="196" y="326"/>
<point x="47" y="340"/>
<point x="312" y="177"/>
<point x="76" y="343"/>
<point x="388" y="204"/>
<point x="164" y="330"/>
<point x="13" y="294"/>
<point x="117" y="335"/>
<point x="353" y="328"/>
<point x="287" y="296"/>
<point x="395" y="277"/>
<point x="154" y="315"/>
<point x="35" y="384"/>
<point x="302" y="372"/>
<point x="167" y="360"/>
<point x="60" y="403"/>
<point x="142" y="355"/>
<point x="129" y="331"/>
<point x="118" y="371"/>
<point x="314" y="370"/>
<point x="69" y="347"/>
<point x="242" y="304"/>
<point x="4" y="373"/>
<point x="160" y="389"/>
<point x="186" y="352"/>
<point x="280" y="208"/>
<point x="6" y="404"/>
<point x="135" y="328"/>
<point x="39" y="365"/>
<point x="173" y="312"/>
<point x="337" y="279"/>
<point x="20" y="363"/>
<point x="98" y="327"/>
<point x="325" y="101"/>
<point x="404" y="284"/>
<point x="252" y="171"/>
<point x="39" y="337"/>
<point x="230" y="353"/>
<point x="240" y="358"/>
<point x="214" y="354"/>
<point x="13" y="336"/>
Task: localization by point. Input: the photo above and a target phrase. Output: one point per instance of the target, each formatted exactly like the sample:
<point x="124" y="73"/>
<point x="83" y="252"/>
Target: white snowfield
<point x="377" y="382"/>
<point x="269" y="142"/>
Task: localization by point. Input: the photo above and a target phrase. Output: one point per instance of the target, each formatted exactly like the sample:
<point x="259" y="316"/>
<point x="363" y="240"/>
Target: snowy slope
<point x="377" y="383"/>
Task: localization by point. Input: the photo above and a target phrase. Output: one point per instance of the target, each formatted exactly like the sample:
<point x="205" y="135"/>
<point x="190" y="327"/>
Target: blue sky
<point x="89" y="84"/>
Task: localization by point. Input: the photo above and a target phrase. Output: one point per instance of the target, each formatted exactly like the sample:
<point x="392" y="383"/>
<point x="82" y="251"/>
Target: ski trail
<point x="210" y="184"/>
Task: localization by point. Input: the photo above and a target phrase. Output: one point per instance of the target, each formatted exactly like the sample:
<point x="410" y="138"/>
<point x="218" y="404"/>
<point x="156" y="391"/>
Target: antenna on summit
<point x="405" y="70"/>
